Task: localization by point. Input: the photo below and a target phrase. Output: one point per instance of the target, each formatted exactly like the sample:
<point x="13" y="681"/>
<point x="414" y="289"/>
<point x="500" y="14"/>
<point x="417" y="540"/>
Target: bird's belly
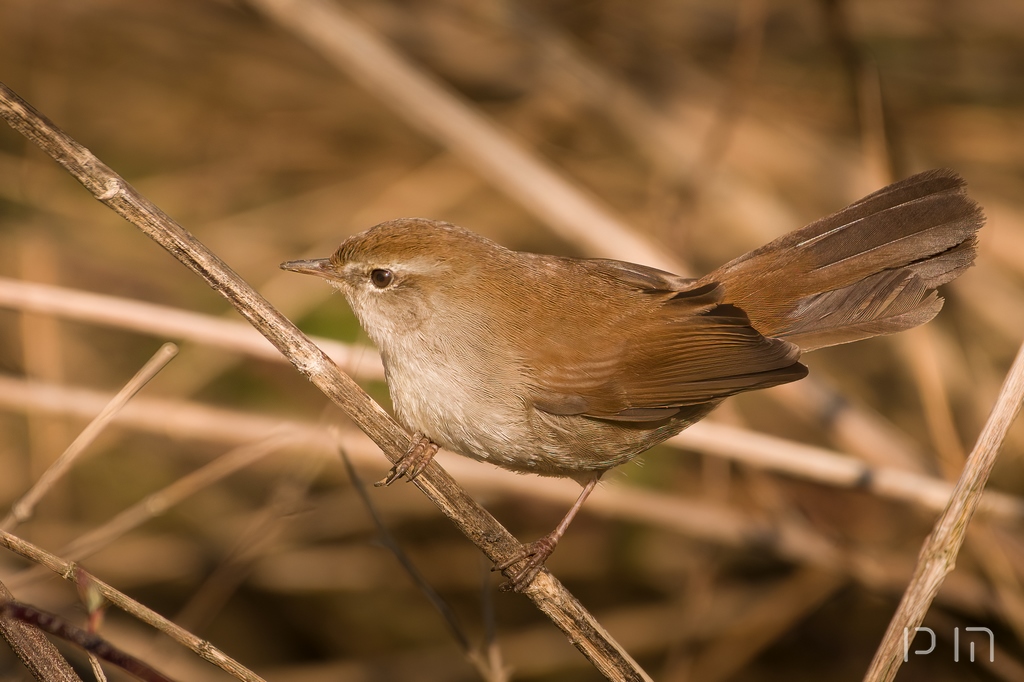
<point x="472" y="419"/>
<point x="480" y="422"/>
<point x="490" y="420"/>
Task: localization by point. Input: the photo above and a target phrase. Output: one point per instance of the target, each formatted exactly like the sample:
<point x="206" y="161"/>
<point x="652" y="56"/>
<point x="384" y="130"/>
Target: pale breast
<point x="452" y="397"/>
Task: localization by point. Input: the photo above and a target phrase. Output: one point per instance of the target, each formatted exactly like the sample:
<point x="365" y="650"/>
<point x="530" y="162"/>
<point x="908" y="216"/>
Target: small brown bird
<point x="569" y="367"/>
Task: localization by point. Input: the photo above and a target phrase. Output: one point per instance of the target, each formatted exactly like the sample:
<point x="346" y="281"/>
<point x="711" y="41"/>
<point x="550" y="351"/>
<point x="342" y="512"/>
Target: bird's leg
<point x="413" y="462"/>
<point x="537" y="552"/>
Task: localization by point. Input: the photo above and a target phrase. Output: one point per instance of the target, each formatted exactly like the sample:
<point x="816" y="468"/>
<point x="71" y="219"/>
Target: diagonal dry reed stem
<point x="22" y="509"/>
<point x="938" y="554"/>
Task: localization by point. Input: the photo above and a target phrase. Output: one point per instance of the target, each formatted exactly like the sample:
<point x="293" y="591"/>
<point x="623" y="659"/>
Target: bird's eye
<point x="381" y="278"/>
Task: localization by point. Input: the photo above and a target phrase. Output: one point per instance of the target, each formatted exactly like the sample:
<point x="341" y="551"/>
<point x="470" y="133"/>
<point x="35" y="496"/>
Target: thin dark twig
<point x="486" y="662"/>
<point x="491" y="649"/>
<point x="387" y="540"/>
<point x="549" y="595"/>
<point x="93" y="643"/>
<point x="35" y="651"/>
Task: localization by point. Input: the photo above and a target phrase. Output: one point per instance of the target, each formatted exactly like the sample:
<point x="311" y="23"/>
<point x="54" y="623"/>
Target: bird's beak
<point x="321" y="267"/>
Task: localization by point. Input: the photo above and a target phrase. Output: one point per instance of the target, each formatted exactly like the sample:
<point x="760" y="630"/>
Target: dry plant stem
<point x="72" y="572"/>
<point x="156" y="504"/>
<point x="938" y="554"/>
<point x="194" y="421"/>
<point x="437" y="110"/>
<point x="260" y="537"/>
<point x="22" y="509"/>
<point x="33" y="648"/>
<point x="697" y="519"/>
<point x="757" y="450"/>
<point x="476" y="658"/>
<point x="769" y="453"/>
<point x="91" y="642"/>
<point x="828" y="467"/>
<point x="161" y="320"/>
<point x="917" y="346"/>
<point x="42" y="351"/>
<point x="475" y="522"/>
<point x="97" y="669"/>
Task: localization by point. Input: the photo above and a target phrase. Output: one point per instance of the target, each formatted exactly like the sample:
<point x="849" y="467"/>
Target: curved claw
<point x="537" y="552"/>
<point x="534" y="555"/>
<point x="413" y="462"/>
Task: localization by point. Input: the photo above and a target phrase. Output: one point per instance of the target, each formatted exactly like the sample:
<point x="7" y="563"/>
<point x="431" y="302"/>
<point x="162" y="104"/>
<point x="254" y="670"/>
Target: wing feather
<point x="682" y="347"/>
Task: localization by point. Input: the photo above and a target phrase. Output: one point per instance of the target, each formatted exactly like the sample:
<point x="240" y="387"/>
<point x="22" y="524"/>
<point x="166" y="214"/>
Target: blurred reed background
<point x="705" y="127"/>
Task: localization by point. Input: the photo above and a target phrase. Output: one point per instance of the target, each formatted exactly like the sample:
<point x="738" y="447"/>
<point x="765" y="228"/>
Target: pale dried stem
<point x="828" y="467"/>
<point x="475" y="522"/>
<point x="198" y="422"/>
<point x="97" y="670"/>
<point x="166" y="321"/>
<point x="194" y="421"/>
<point x="699" y="519"/>
<point x="22" y="509"/>
<point x="940" y="549"/>
<point x="72" y="572"/>
<point x="42" y="350"/>
<point x="919" y="352"/>
<point x="159" y="502"/>
<point x="712" y="523"/>
<point x="741" y="445"/>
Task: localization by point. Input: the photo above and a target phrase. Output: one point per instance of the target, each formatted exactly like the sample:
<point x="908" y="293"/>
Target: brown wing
<point x="683" y="348"/>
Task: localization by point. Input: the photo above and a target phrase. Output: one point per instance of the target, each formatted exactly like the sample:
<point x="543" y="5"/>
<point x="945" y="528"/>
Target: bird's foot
<point x="413" y="462"/>
<point x="533" y="555"/>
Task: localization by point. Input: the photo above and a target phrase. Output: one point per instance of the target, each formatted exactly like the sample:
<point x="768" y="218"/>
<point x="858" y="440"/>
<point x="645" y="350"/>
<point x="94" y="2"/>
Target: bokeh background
<point x="706" y="127"/>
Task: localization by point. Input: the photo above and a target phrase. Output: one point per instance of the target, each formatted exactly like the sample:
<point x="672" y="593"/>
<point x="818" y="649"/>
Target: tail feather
<point x="948" y="265"/>
<point x="869" y="269"/>
<point x="884" y="303"/>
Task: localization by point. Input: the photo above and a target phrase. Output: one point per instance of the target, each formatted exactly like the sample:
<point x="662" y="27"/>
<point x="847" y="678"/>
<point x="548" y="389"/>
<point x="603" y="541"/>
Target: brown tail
<point x="872" y="268"/>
